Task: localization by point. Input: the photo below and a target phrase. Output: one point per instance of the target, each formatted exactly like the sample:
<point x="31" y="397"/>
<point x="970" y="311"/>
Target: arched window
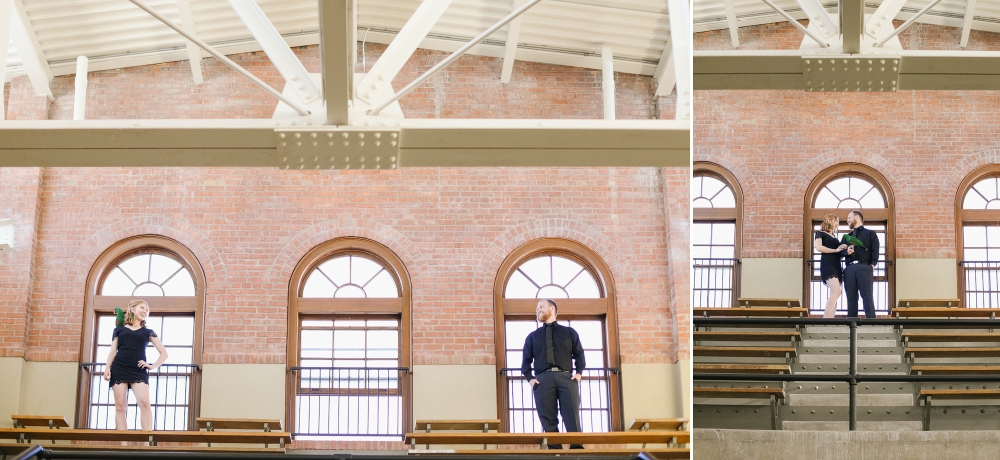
<point x="839" y="190"/>
<point x="169" y="278"/>
<point x="978" y="213"/>
<point x="349" y="342"/>
<point x="717" y="204"/>
<point x="579" y="281"/>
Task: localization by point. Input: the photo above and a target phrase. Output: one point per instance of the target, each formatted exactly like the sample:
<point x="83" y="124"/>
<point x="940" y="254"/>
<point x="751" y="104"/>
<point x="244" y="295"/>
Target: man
<point x="551" y="347"/>
<point x="859" y="273"/>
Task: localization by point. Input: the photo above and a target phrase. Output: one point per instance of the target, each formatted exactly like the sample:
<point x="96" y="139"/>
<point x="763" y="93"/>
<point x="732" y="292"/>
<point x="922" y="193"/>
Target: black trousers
<point x="859" y="278"/>
<point x="557" y="388"/>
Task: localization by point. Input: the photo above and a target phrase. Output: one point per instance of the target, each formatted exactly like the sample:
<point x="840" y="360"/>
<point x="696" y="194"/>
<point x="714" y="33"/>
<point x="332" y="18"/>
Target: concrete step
<point x="817" y="358"/>
<point x="880" y="400"/>
<point x="847" y="343"/>
<point x="843" y="426"/>
<point x="845" y="330"/>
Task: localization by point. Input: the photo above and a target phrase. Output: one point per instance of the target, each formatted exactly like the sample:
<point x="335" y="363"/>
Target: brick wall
<point x="451" y="227"/>
<point x="776" y="142"/>
<point x="19" y="189"/>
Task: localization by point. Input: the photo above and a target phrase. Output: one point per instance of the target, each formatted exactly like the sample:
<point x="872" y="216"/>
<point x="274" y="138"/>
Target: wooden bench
<point x="950" y="337"/>
<point x="51" y="421"/>
<point x="758" y="352"/>
<point x="772" y="312"/>
<point x="266" y="425"/>
<point x="23" y="435"/>
<point x="951" y="352"/>
<point x="944" y="312"/>
<point x="952" y="369"/>
<point x="658" y="424"/>
<point x="743" y="368"/>
<point x="659" y="453"/>
<point x="762" y="336"/>
<point x="544" y="439"/>
<point x="754" y="302"/>
<point x="771" y="394"/>
<point x="484" y="426"/>
<point x="928" y="395"/>
<point x="17" y="448"/>
<point x="932" y="303"/>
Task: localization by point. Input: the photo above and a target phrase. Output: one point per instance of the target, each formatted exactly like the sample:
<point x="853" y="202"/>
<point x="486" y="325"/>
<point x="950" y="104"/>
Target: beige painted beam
<point x="337" y="47"/>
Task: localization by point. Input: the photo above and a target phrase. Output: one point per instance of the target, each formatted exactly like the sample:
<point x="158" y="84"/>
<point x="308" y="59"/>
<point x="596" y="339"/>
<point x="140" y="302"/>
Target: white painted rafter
<point x="510" y="48"/>
<point x="815" y="11"/>
<point x="880" y="23"/>
<point x="970" y="11"/>
<point x="733" y="23"/>
<point x="680" y="41"/>
<point x="193" y="52"/>
<point x="277" y="50"/>
<point x="30" y="52"/>
<point x="338" y="51"/>
<point x="6" y="13"/>
<point x="665" y="74"/>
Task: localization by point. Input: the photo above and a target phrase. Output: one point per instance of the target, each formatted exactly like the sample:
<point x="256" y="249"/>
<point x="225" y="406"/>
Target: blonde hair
<point x="130" y="311"/>
<point x="830" y="223"/>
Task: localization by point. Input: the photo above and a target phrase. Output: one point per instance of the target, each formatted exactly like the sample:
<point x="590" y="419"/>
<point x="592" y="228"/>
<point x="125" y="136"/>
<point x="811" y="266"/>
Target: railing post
<point x="852" y="381"/>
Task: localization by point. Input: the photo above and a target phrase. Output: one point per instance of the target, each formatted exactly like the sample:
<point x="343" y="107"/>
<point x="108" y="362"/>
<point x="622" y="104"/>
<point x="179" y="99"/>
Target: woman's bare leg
<point x="121" y="403"/>
<point x="831" y="303"/>
<point x="141" y="391"/>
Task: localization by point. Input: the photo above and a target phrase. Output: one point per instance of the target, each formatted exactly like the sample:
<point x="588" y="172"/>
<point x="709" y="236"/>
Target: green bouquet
<point x="854" y="241"/>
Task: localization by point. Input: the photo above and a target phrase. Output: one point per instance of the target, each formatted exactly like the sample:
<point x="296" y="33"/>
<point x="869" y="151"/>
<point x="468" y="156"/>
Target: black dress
<point x="829" y="263"/>
<point x="131" y="349"/>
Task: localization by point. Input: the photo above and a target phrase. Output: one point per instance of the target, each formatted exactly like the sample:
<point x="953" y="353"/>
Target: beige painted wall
<point x="12" y="369"/>
<point x="50" y="389"/>
<point x="685" y="365"/>
<point x="926" y="279"/>
<point x="454" y="392"/>
<point x="771" y="278"/>
<point x="243" y="391"/>
<point x="653" y="391"/>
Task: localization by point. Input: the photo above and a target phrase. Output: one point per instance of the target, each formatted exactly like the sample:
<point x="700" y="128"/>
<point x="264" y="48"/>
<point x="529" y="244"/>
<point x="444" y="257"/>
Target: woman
<point x="829" y="265"/>
<point x="127" y="366"/>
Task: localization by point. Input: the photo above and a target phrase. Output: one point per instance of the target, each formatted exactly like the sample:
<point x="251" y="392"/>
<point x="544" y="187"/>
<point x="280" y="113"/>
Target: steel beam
<point x="680" y="40"/>
<point x="417" y="143"/>
<point x="852" y="18"/>
<point x="193" y="52"/>
<point x="510" y="48"/>
<point x="733" y="23"/>
<point x="880" y="23"/>
<point x="376" y="83"/>
<point x="6" y="13"/>
<point x="665" y="74"/>
<point x="35" y="64"/>
<point x="970" y="10"/>
<point x="815" y="12"/>
<point x="337" y="48"/>
<point x="277" y="50"/>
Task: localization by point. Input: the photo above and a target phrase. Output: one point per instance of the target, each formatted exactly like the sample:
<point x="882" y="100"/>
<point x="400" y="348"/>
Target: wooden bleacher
<point x="953" y="369"/>
<point x="742" y="368"/>
<point x="962" y="393"/>
<point x="757" y="302"/>
<point x="658" y="424"/>
<point x="153" y="437"/>
<point x="51" y="421"/>
<point x="773" y="395"/>
<point x="757" y="352"/>
<point x="752" y="336"/>
<point x="751" y="312"/>
<point x="542" y="440"/>
<point x="950" y="337"/>
<point x="952" y="352"/>
<point x="266" y="425"/>
<point x="928" y="303"/>
<point x="452" y="425"/>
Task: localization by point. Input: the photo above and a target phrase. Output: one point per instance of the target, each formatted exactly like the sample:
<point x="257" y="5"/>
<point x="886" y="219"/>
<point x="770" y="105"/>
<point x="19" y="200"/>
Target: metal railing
<point x="597" y="389"/>
<point x="347" y="401"/>
<point x="715" y="282"/>
<point x="980" y="283"/>
<point x="880" y="291"/>
<point x="852" y="377"/>
<point x="172" y="391"/>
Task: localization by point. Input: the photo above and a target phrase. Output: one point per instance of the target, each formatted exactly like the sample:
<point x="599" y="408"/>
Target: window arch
<point x="977" y="209"/>
<point x="716" y="236"/>
<point x="349" y="342"/>
<point x="582" y="284"/>
<point x="839" y="190"/>
<point x="167" y="275"/>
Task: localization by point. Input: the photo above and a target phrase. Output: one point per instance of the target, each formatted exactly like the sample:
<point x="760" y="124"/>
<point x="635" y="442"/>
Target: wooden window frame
<point x="724" y="215"/>
<point x="326" y="308"/>
<point x="603" y="307"/>
<point x="971" y="217"/>
<point x="96" y="304"/>
<point x="811" y="214"/>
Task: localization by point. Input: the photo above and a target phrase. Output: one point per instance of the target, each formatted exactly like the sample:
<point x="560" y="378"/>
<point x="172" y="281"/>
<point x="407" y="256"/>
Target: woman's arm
<point x="826" y="250"/>
<point x="163" y="354"/>
<point x="111" y="358"/>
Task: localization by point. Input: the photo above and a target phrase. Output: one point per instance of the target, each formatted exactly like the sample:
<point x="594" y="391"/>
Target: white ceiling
<point x="115" y="33"/>
<point x="711" y="15"/>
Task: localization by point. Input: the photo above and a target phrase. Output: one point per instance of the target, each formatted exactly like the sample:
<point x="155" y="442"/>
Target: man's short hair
<point x="862" y="216"/>
<point x="553" y="303"/>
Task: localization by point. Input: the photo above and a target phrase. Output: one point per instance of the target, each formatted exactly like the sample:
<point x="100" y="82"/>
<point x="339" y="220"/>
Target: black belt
<point x="553" y="369"/>
<point x="857" y="262"/>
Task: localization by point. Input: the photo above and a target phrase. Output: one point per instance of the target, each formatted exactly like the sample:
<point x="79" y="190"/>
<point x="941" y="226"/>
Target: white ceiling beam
<point x="281" y="56"/>
<point x="734" y="36"/>
<point x="376" y="84"/>
<point x="852" y="18"/>
<point x="6" y="13"/>
<point x="510" y="48"/>
<point x="815" y="12"/>
<point x="338" y="49"/>
<point x="608" y="82"/>
<point x="880" y="23"/>
<point x="680" y="41"/>
<point x="421" y="143"/>
<point x="30" y="52"/>
<point x="664" y="74"/>
<point x="193" y="52"/>
<point x="970" y="10"/>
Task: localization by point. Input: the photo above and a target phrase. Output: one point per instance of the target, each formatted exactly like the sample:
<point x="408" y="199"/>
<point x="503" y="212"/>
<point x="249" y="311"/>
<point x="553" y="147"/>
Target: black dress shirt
<point x="867" y="254"/>
<point x="566" y="347"/>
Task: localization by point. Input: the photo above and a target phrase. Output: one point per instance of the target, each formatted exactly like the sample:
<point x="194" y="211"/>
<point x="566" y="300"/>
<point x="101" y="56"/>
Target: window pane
<point x="350" y="291"/>
<point x="349" y="344"/>
<point x="180" y="285"/>
<point x="137" y="268"/>
<point x="516" y="331"/>
<point x="583" y="287"/>
<point x="552" y="292"/>
<point x="382" y="286"/>
<point x="317" y="323"/>
<point x="564" y="270"/>
<point x="317" y="286"/>
<point x="338" y="269"/>
<point x="105" y="327"/>
<point x="518" y="287"/>
<point x="974" y="236"/>
<point x="178" y="330"/>
<point x="383" y="344"/>
<point x="362" y="270"/>
<point x="710" y="187"/>
<point x="148" y="290"/>
<point x="538" y="270"/>
<point x="349" y="323"/>
<point x="591" y="335"/>
<point x="176" y="355"/>
<point x="117" y="284"/>
<point x="383" y="323"/>
<point x="163" y="267"/>
<point x="974" y="200"/>
<point x="594" y="358"/>
<point x="317" y="344"/>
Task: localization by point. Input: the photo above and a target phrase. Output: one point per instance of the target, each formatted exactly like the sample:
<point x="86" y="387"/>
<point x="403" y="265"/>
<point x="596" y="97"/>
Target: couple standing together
<point x="859" y="249"/>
